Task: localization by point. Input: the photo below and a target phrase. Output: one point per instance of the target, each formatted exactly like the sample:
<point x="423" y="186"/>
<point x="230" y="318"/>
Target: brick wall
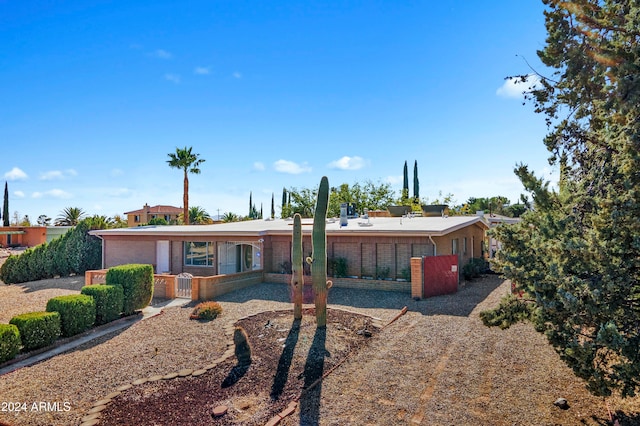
<point x="364" y="284"/>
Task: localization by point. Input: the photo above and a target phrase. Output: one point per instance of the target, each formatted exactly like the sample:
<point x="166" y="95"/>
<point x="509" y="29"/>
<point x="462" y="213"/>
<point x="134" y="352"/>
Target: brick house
<point x="371" y="247"/>
<point x="146" y="213"/>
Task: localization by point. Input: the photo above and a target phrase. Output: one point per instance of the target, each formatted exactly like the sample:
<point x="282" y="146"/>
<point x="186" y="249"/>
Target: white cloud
<point x="348" y="163"/>
<point x="258" y="166"/>
<point x="175" y="78"/>
<point x="237" y="75"/>
<point x="18" y="194"/>
<point x="394" y="180"/>
<point x="57" y="174"/>
<point x="54" y="193"/>
<point x="162" y="54"/>
<point x="285" y="166"/>
<point x="117" y="172"/>
<point x="202" y="70"/>
<point x="514" y="86"/>
<point x="15" y="174"/>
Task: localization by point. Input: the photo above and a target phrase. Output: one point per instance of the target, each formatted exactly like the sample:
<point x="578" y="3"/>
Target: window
<point x="464" y="245"/>
<point x="167" y="217"/>
<point x="136" y="218"/>
<point x="454" y="246"/>
<point x="198" y="253"/>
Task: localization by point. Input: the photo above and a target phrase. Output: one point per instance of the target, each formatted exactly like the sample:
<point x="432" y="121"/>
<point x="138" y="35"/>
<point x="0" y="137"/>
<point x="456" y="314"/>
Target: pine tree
<point x="576" y="256"/>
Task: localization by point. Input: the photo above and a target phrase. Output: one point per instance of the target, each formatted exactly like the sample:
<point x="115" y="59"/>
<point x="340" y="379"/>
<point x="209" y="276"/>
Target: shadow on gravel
<point x="461" y="303"/>
<point x="313" y="371"/>
<point x="284" y="363"/>
<point x="66" y="283"/>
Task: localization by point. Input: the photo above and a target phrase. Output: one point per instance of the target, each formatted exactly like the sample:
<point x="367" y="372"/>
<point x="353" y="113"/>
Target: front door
<point x="162" y="257"/>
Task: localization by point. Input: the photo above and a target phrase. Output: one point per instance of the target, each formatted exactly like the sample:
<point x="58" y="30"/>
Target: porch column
<point x="417" y="277"/>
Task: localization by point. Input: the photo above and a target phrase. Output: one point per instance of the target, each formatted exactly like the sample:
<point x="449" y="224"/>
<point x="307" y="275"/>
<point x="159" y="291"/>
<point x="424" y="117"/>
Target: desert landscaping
<point x="437" y="364"/>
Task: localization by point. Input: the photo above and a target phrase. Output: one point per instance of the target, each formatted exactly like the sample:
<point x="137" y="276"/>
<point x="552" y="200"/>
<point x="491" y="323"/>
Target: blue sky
<point x="95" y="94"/>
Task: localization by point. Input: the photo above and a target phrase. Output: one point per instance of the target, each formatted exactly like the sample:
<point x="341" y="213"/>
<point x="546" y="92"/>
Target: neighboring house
<point x="369" y="245"/>
<point x="494" y="220"/>
<point x="22" y="236"/>
<point x="146" y="213"/>
<point x="54" y="232"/>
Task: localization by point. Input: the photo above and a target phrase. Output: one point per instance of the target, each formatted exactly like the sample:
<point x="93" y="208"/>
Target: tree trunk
<point x="185" y="199"/>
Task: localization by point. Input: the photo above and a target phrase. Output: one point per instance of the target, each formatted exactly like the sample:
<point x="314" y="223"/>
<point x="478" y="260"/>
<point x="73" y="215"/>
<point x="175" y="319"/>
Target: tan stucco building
<point x="368" y="245"/>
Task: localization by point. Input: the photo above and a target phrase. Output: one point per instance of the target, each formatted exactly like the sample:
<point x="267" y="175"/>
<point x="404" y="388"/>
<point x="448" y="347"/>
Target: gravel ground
<point x="437" y="365"/>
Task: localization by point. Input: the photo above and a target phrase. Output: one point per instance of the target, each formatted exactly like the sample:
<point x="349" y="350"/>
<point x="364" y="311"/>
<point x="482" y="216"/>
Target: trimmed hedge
<point x="77" y="312"/>
<point x="73" y="253"/>
<point x="37" y="329"/>
<point x="109" y="301"/>
<point x="9" y="342"/>
<point x="136" y="281"/>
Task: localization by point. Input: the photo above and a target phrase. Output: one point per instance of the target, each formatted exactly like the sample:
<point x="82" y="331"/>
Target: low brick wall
<point x="359" y="283"/>
<point x="208" y="288"/>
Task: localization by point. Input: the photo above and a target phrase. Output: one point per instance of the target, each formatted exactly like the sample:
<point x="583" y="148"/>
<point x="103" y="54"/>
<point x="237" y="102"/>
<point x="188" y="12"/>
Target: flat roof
<point x="433" y="226"/>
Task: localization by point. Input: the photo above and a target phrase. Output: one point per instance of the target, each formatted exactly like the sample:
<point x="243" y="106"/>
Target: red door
<point x="440" y="275"/>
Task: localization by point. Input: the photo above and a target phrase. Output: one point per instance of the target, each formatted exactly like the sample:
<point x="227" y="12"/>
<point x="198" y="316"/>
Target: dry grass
<point x="437" y="365"/>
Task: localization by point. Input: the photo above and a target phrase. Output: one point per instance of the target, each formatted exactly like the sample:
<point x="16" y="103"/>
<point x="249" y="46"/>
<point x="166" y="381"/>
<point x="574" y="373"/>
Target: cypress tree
<point x="273" y="206"/>
<point x="405" y="183"/>
<point x="416" y="184"/>
<point x="5" y="206"/>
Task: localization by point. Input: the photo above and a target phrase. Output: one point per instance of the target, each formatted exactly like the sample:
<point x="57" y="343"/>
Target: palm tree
<point x="230" y="217"/>
<point x="190" y="163"/>
<point x="70" y="216"/>
<point x="199" y="216"/>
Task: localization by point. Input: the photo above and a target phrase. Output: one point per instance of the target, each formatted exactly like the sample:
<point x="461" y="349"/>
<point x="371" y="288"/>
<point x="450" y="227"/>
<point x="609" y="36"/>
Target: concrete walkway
<point x="148" y="312"/>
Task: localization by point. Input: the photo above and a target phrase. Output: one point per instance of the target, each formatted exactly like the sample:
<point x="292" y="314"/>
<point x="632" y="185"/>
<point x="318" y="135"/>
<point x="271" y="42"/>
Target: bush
<point x="207" y="310"/>
<point x="77" y="312"/>
<point x="109" y="301"/>
<point x="339" y="267"/>
<point x="74" y="252"/>
<point x="7" y="269"/>
<point x="9" y="342"/>
<point x="137" y="283"/>
<point x="474" y="268"/>
<point x="37" y="329"/>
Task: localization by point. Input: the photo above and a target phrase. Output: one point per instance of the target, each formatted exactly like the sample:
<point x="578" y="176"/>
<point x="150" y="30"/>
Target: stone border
<point x="92" y="416"/>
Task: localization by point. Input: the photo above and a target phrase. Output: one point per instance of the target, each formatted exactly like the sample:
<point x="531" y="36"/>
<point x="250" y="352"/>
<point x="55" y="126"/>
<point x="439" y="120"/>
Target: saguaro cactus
<point x="319" y="257"/>
<point x="297" y="277"/>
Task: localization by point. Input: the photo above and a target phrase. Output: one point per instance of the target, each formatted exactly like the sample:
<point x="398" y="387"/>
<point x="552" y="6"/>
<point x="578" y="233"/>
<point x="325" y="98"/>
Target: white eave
<point x="434" y="226"/>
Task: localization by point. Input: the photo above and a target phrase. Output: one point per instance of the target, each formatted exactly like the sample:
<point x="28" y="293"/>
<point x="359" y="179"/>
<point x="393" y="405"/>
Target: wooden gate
<point x="440" y="275"/>
<point x="183" y="285"/>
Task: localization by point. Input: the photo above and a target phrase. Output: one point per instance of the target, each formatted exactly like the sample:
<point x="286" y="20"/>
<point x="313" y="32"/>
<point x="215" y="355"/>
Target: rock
<point x="561" y="403"/>
<point x="220" y="410"/>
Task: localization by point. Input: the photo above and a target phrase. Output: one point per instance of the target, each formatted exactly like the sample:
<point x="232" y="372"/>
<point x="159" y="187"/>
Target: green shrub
<point x="474" y="268"/>
<point x="109" y="300"/>
<point x="9" y="342"/>
<point x="37" y="329"/>
<point x="207" y="310"/>
<point x="77" y="312"/>
<point x="74" y="252"/>
<point x="7" y="269"/>
<point x="339" y="267"/>
<point x="136" y="281"/>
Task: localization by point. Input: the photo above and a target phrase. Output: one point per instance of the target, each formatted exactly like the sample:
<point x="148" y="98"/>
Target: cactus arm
<point x="297" y="277"/>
